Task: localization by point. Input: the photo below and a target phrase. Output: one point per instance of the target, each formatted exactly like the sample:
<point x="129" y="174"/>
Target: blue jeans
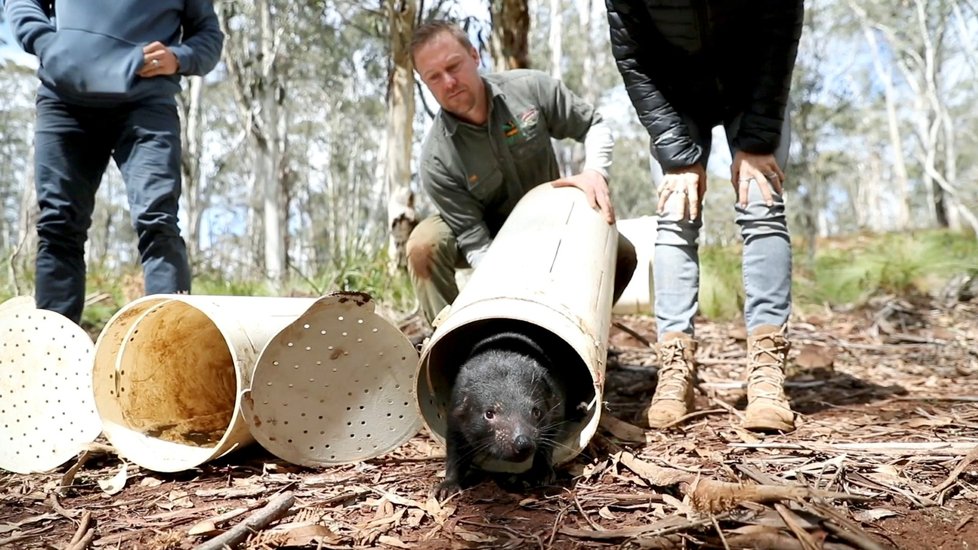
<point x="73" y="145"/>
<point x="766" y="254"/>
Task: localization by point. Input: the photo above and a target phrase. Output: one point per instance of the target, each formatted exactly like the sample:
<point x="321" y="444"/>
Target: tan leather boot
<point x="767" y="405"/>
<point x="673" y="396"/>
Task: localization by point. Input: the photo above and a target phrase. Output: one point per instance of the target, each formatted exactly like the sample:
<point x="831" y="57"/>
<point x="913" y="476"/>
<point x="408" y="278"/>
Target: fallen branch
<point x="880" y="447"/>
<point x="663" y="526"/>
<point x="84" y="535"/>
<point x="861" y="541"/>
<point x="765" y="540"/>
<point x="52" y="501"/>
<point x="692" y="415"/>
<point x="795" y="526"/>
<point x="708" y="495"/>
<point x="962" y="398"/>
<point x="714" y="400"/>
<point x="789" y="384"/>
<point x="843" y="527"/>
<point x="631" y="332"/>
<point x="26" y="535"/>
<point x="275" y="509"/>
<point x="953" y="476"/>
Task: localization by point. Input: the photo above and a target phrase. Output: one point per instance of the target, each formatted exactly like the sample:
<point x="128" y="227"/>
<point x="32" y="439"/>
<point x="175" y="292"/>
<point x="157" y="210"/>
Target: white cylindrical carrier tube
<point x="170" y="370"/>
<point x="551" y="267"/>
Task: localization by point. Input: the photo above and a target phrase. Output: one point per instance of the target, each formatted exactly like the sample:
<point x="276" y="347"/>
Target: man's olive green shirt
<point x="475" y="175"/>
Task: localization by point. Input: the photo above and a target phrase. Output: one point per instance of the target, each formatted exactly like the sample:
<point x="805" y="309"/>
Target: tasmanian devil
<point x="506" y="404"/>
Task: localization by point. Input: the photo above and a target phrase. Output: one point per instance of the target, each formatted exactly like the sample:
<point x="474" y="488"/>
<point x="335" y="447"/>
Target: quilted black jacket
<point x="709" y="60"/>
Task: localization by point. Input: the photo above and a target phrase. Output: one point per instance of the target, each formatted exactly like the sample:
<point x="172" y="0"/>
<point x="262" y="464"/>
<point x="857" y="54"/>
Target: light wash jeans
<point x="766" y="255"/>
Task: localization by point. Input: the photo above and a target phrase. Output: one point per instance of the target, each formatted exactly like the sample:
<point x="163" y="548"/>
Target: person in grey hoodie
<point x="109" y="71"/>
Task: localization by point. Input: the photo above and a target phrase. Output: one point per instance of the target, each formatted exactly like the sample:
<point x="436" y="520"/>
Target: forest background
<point x="300" y="150"/>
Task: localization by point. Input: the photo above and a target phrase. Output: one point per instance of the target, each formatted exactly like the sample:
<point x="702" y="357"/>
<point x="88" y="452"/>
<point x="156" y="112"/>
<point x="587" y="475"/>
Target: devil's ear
<point x="461" y="410"/>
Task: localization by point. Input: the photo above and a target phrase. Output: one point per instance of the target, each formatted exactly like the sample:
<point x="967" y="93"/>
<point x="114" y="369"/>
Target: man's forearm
<point x="598" y="147"/>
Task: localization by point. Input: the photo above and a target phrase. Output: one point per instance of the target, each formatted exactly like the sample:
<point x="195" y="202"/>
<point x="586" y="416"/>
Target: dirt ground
<point x="885" y="455"/>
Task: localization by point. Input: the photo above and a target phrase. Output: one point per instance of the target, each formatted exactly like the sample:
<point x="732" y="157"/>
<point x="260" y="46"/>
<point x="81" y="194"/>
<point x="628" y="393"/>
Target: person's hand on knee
<point x="760" y="170"/>
<point x="681" y="193"/>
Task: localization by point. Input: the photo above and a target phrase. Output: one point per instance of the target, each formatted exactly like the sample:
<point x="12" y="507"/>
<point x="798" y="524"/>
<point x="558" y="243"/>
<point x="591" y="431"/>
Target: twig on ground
<point x="842" y="527"/>
<point x="794" y="525"/>
<point x="882" y="447"/>
<point x="714" y="400"/>
<point x="587" y="518"/>
<point x="84" y="535"/>
<point x="631" y="332"/>
<point x="953" y="476"/>
<point x="693" y="414"/>
<point x="275" y="509"/>
<point x="23" y="536"/>
<point x="52" y="501"/>
<point x="962" y="398"/>
<point x="716" y="525"/>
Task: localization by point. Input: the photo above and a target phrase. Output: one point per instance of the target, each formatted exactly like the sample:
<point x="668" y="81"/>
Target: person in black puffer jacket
<point x="689" y="66"/>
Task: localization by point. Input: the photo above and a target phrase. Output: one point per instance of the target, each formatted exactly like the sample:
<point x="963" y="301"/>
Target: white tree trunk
<point x="401" y="216"/>
<point x="555" y="39"/>
<point x="193" y="132"/>
<point x="273" y="205"/>
<point x="259" y="88"/>
<point x="921" y="62"/>
<point x="901" y="185"/>
<point x="25" y="251"/>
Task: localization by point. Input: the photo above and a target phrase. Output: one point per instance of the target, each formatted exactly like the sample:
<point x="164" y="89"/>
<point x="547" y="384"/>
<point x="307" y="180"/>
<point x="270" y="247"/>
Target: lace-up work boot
<point x="677" y="372"/>
<point x="767" y="405"/>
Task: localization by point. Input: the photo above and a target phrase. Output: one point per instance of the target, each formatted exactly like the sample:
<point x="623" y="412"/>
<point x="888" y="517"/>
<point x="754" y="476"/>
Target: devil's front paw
<point x="540" y="475"/>
<point x="446" y="489"/>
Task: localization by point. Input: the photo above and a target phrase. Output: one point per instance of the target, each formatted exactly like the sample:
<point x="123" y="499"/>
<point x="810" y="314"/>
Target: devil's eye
<point x="490" y="415"/>
<point x="537" y="413"/>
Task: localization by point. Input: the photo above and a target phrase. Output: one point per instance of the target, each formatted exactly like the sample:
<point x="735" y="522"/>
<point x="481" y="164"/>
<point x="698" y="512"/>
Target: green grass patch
<point x="215" y="284"/>
<point x="846" y="271"/>
<point x="899" y="264"/>
<point x="370" y="275"/>
<point x="721" y="282"/>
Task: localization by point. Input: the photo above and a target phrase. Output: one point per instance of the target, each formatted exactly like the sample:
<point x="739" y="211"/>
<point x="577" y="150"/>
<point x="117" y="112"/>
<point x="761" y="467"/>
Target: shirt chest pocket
<point x="527" y="140"/>
<point x="486" y="184"/>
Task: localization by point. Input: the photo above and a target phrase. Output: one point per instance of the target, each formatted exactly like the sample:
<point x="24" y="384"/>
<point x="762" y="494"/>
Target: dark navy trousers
<point x="73" y="145"/>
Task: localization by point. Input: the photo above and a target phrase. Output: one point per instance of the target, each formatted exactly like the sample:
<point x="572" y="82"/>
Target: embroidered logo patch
<point x="529" y="117"/>
<point x="510" y="129"/>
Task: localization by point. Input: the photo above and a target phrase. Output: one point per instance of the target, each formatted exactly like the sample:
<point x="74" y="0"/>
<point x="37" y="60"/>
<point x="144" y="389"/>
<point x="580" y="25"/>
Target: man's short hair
<point x="428" y="30"/>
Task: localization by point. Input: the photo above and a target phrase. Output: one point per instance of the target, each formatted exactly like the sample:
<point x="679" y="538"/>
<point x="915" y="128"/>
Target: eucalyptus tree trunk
<point x="509" y="43"/>
<point x="25" y="250"/>
<point x="193" y="133"/>
<point x="949" y="209"/>
<point x="901" y="181"/>
<point x="869" y="212"/>
<point x="401" y="216"/>
<point x="589" y="83"/>
<point x="252" y="58"/>
<point x="555" y="39"/>
<point x="920" y="48"/>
